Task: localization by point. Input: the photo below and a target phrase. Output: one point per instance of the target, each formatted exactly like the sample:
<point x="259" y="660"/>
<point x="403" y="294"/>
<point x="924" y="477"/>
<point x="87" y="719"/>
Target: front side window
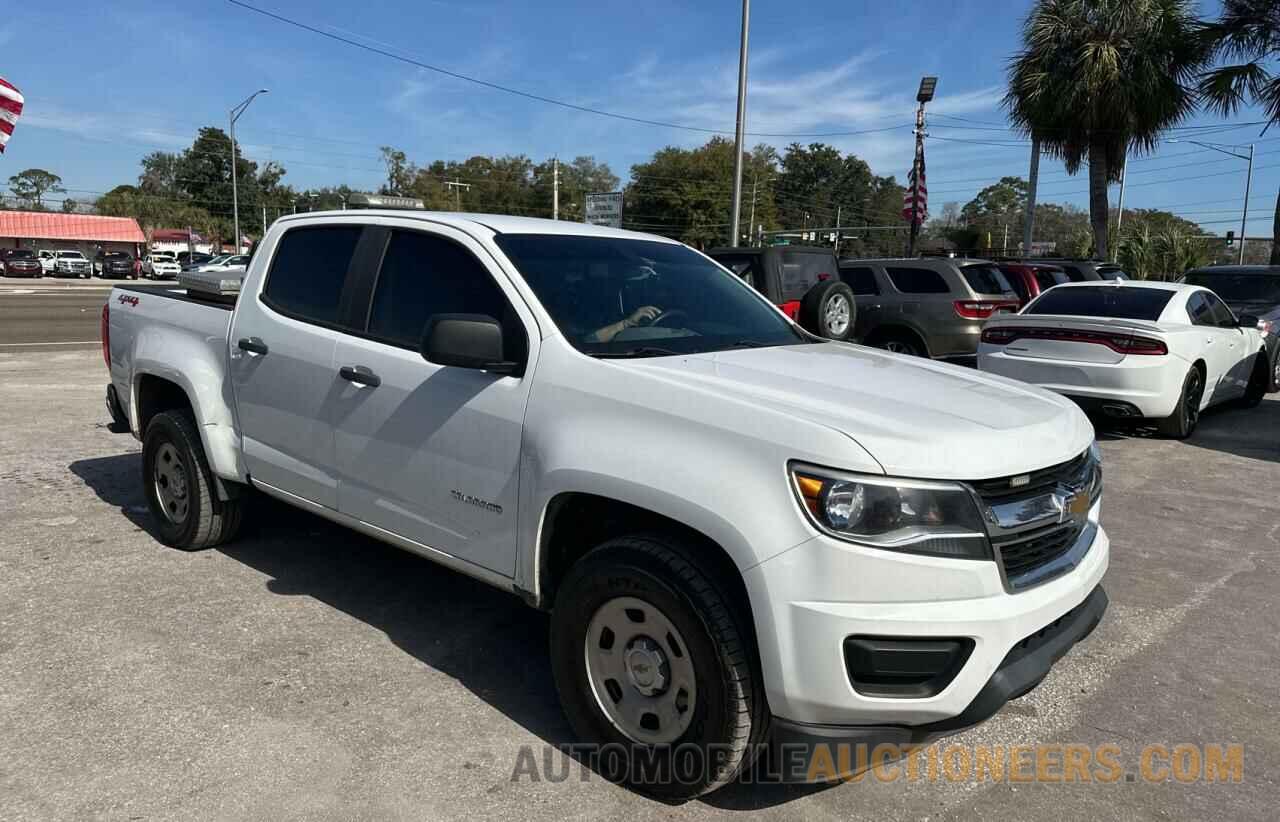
<point x="861" y="279"/>
<point x="425" y="274"/>
<point x="1222" y="316"/>
<point x="635" y="298"/>
<point x="1103" y="301"/>
<point x="309" y="270"/>
<point x="917" y="280"/>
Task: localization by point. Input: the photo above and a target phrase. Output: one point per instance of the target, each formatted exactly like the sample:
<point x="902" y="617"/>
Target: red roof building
<point x="45" y="225"/>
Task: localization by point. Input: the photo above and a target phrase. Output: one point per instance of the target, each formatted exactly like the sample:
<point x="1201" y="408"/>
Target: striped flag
<point x="10" y="109"/>
<point x="915" y="202"/>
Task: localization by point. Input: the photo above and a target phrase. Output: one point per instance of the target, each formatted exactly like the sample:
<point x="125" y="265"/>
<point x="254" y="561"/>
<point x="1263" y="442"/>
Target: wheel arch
<point x="897" y="329"/>
<point x="154" y="393"/>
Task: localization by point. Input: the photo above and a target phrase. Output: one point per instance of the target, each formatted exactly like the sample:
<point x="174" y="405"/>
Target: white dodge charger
<point x="1130" y="350"/>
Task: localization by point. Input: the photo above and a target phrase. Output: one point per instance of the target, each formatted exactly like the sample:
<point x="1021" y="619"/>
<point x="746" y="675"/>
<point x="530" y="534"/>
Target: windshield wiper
<point x="633" y="353"/>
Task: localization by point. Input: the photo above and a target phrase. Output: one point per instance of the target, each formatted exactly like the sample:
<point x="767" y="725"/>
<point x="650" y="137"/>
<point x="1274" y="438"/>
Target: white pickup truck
<point x="744" y="534"/>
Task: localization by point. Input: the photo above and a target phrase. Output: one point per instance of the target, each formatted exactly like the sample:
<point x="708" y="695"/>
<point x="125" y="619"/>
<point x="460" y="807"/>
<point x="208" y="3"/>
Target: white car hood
<point x="916" y="417"/>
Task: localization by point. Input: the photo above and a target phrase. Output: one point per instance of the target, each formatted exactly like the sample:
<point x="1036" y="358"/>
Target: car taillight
<point x="106" y="334"/>
<point x="982" y="309"/>
<point x="1120" y="343"/>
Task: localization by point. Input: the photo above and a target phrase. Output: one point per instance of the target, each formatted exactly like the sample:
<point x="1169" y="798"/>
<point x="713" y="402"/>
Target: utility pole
<point x="755" y="178"/>
<point x="1244" y="211"/>
<point x="1124" y="172"/>
<point x="924" y="95"/>
<point x="457" y="187"/>
<point x="836" y="246"/>
<point x="264" y="223"/>
<point x="1029" y="220"/>
<point x="739" y="134"/>
<point x="555" y="188"/>
<point x="1004" y="246"/>
<point x="235" y="197"/>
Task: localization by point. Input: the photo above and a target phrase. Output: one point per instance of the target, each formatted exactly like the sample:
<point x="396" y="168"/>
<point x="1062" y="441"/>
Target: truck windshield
<point x="615" y="297"/>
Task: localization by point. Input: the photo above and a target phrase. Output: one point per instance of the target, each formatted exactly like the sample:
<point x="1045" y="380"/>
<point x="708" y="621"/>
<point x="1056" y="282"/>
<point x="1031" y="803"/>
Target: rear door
<point x="866" y="293"/>
<point x="283" y="344"/>
<point x="431" y="453"/>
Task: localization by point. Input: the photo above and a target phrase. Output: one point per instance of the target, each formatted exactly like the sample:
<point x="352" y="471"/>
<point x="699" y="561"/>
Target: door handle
<point x="359" y="375"/>
<point x="254" y="345"/>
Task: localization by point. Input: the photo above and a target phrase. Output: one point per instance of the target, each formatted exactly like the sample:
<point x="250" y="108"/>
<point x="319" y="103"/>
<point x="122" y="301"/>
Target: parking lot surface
<point x="306" y="671"/>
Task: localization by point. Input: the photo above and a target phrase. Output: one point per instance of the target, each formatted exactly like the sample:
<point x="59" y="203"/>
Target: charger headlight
<point x="931" y="518"/>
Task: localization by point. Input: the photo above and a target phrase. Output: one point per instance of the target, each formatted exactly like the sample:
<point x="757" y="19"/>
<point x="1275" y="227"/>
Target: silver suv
<point x="926" y="307"/>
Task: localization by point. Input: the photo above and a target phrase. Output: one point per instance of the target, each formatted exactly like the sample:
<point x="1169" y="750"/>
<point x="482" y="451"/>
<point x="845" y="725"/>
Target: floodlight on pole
<point x="927" y="86"/>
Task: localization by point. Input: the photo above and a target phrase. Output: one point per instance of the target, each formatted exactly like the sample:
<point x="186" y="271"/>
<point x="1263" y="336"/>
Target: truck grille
<point x="1027" y="551"/>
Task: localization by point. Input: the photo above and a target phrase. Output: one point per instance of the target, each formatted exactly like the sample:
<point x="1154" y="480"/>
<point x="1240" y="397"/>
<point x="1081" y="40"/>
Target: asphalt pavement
<point x="48" y="313"/>
<point x="304" y="671"/>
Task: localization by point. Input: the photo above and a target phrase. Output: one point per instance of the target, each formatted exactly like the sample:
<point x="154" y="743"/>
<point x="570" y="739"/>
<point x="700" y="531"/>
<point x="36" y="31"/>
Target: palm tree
<point x="1248" y="32"/>
<point x="1096" y="78"/>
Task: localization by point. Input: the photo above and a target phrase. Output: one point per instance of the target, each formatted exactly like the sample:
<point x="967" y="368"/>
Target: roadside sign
<point x="604" y="209"/>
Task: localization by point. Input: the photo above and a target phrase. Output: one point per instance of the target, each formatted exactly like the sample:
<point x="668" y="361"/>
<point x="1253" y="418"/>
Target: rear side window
<point x="1019" y="285"/>
<point x="423" y="274"/>
<point x="861" y="279"/>
<point x="1048" y="279"/>
<point x="917" y="280"/>
<point x="1103" y="301"/>
<point x="1111" y="272"/>
<point x="309" y="270"/>
<point x="1074" y="274"/>
<point x="801" y="271"/>
<point x="986" y="279"/>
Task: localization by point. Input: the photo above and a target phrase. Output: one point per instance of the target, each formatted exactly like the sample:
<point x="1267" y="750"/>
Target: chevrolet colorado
<point x="745" y="535"/>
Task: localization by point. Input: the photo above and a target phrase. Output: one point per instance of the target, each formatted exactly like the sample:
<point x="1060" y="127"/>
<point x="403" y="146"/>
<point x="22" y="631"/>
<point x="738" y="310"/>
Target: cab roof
<point x="496" y="223"/>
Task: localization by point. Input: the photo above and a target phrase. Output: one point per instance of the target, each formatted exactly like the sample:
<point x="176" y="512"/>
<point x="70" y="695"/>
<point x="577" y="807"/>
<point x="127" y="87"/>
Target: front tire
<point x="650" y="657"/>
<point x="178" y="483"/>
<point x="1259" y="382"/>
<point x="1186" y="415"/>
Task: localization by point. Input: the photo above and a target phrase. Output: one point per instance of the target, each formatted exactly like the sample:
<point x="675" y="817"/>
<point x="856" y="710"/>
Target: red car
<point x="19" y="262"/>
<point x="1031" y="279"/>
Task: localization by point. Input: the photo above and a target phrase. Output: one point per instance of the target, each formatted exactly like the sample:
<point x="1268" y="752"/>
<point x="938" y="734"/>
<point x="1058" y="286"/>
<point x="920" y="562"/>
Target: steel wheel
<point x="170" y="479"/>
<point x="837" y="315"/>
<point x="640" y="671"/>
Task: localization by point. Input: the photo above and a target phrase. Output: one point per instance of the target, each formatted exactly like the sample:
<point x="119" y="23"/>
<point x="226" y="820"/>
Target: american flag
<point x="10" y="108"/>
<point x="915" y="202"/>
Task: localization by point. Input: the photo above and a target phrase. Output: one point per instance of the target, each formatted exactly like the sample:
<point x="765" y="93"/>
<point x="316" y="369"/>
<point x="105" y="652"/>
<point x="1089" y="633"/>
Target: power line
<point x="530" y="95"/>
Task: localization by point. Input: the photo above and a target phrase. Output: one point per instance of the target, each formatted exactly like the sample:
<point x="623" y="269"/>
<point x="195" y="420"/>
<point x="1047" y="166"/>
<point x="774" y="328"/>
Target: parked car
<point x="1081" y="270"/>
<point x="71" y="264"/>
<point x="927" y="306"/>
<point x="1029" y="280"/>
<point x="1138" y="350"/>
<point x="160" y="265"/>
<point x="1248" y="289"/>
<point x="116" y="264"/>
<point x="20" y="262"/>
<point x="225" y="262"/>
<point x="47" y="259"/>
<point x="706" y="499"/>
<point x="803" y="281"/>
<point x="190" y="260"/>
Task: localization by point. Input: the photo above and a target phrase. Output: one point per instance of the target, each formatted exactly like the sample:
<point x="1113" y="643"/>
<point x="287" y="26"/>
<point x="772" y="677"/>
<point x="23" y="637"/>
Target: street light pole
<point x="1248" y="181"/>
<point x="739" y="133"/>
<point x="235" y="195"/>
<point x="924" y="95"/>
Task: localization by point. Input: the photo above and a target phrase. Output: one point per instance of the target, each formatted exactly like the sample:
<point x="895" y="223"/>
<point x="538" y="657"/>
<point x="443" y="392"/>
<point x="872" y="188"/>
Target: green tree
<point x="1137" y="252"/>
<point x="400" y="172"/>
<point x="1098" y="78"/>
<point x="69" y="206"/>
<point x="1248" y="37"/>
<point x="32" y="185"/>
<point x="579" y="178"/>
<point x="818" y="185"/>
<point x="994" y="210"/>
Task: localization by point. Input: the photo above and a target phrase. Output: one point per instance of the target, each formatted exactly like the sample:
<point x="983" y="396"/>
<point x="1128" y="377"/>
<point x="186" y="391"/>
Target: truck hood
<point x="916" y="417"/>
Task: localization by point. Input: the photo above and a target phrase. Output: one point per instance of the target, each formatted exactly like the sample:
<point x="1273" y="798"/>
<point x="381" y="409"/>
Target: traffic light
<point x="1231" y="238"/>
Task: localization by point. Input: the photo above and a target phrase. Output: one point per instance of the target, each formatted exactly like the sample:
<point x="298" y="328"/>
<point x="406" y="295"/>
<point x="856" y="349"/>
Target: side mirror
<point x="466" y="341"/>
<point x="1247" y="321"/>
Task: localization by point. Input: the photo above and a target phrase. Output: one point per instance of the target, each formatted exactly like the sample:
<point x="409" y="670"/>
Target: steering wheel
<point x="676" y="313"/>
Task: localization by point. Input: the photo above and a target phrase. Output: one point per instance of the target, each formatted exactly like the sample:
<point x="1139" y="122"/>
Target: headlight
<point x="932" y="518"/>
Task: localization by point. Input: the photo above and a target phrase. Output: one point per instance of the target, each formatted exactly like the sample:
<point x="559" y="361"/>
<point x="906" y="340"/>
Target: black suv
<point x="115" y="264"/>
<point x="1079" y="271"/>
<point x="1248" y="289"/>
<point x="804" y="281"/>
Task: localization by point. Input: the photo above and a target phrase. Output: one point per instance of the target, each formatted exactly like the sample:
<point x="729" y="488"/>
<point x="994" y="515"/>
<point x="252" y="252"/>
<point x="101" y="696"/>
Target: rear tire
<point x="1186" y="415"/>
<point x="636" y="605"/>
<point x="1259" y="382"/>
<point x="178" y="483"/>
<point x="829" y="310"/>
<point x="901" y="342"/>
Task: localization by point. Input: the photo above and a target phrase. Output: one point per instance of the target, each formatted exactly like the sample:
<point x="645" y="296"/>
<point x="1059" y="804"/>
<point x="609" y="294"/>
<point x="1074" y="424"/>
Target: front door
<point x="427" y="452"/>
<point x="1221" y="345"/>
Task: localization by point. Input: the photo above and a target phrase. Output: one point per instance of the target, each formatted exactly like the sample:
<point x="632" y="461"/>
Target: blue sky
<point x="107" y="82"/>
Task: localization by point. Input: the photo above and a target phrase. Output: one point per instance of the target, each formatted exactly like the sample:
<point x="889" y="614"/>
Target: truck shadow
<point x="488" y="641"/>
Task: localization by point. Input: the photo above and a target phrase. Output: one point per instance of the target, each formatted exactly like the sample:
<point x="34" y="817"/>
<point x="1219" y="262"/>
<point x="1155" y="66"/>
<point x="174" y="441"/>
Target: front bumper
<point x="809" y="599"/>
<point x="799" y="747"/>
